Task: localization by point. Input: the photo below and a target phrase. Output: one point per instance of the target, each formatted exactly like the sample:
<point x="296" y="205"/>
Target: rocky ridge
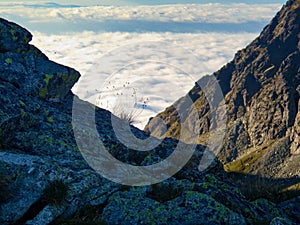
<point x="261" y="93"/>
<point x="45" y="180"/>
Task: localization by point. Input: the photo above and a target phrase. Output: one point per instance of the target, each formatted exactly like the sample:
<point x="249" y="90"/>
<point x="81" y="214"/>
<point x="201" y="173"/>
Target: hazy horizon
<point x="204" y="37"/>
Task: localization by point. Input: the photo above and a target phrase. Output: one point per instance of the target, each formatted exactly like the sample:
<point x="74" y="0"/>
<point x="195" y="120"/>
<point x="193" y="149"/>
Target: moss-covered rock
<point x="46" y="180"/>
<point x="132" y="207"/>
<point x="28" y="69"/>
<point x="12" y="36"/>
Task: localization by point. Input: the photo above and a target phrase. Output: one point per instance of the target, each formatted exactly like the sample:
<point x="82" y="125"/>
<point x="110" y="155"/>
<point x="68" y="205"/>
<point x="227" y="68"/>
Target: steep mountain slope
<point x="44" y="178"/>
<point x="261" y="86"/>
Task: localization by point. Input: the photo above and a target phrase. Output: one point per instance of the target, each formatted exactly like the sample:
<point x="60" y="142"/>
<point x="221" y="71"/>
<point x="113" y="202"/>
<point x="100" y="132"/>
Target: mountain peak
<point x="261" y="91"/>
<point x="27" y="68"/>
<point x="12" y="36"/>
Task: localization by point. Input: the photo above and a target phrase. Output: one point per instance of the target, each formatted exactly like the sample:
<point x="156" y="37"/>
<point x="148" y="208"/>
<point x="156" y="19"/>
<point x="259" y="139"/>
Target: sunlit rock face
<point x="261" y="92"/>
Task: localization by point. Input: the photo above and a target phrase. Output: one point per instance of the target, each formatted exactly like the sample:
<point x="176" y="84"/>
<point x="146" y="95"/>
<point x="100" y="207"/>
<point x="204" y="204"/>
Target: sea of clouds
<point x="140" y="59"/>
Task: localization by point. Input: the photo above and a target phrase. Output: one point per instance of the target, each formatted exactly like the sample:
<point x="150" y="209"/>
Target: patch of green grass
<point x="244" y="164"/>
<point x="55" y="192"/>
<point x="255" y="187"/>
<point x="289" y="192"/>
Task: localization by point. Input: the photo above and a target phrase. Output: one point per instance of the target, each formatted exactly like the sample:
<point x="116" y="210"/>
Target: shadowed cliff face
<point x="44" y="179"/>
<point x="30" y="86"/>
<point x="261" y="89"/>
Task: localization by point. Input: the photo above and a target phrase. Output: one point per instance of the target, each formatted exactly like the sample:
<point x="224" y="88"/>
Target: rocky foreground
<point x="45" y="180"/>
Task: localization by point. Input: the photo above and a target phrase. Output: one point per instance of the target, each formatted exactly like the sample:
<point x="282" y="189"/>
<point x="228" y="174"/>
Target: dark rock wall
<point x="261" y="89"/>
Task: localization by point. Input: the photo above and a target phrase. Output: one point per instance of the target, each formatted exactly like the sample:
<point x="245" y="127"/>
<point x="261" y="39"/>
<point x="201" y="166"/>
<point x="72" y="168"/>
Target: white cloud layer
<point x="155" y="68"/>
<point x="194" y="13"/>
<point x="137" y="56"/>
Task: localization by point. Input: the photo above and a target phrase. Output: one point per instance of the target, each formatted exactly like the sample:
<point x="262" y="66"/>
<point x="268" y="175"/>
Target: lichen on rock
<point x="38" y="149"/>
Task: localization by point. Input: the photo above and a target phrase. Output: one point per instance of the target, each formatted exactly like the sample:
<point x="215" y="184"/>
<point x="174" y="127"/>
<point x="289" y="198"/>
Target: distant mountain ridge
<point x="261" y="86"/>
